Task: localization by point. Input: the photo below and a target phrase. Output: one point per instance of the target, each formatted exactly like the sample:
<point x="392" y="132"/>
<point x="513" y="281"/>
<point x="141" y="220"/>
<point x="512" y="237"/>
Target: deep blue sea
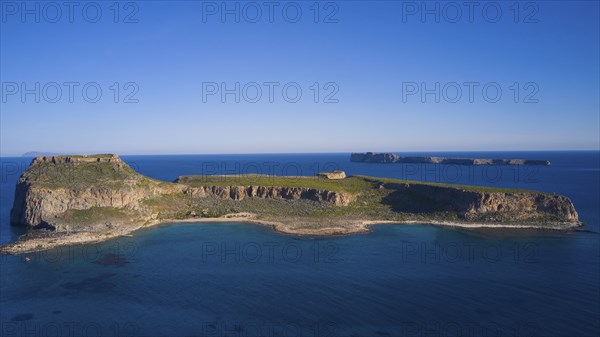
<point x="234" y="279"/>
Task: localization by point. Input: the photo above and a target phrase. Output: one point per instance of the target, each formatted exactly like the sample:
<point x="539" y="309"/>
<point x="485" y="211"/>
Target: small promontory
<point x="80" y="199"/>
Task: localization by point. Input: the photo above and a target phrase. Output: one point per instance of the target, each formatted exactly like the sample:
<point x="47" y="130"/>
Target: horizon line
<point x="283" y="153"/>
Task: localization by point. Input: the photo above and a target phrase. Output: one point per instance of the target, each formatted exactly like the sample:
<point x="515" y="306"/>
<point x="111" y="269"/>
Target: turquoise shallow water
<point x="234" y="279"/>
<point x="212" y="279"/>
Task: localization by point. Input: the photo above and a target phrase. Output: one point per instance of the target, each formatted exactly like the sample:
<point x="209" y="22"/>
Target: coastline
<point x="118" y="201"/>
<point x="32" y="245"/>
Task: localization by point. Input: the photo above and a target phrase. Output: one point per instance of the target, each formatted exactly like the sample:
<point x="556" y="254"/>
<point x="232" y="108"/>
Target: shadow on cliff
<point x="409" y="200"/>
<point x="45" y="225"/>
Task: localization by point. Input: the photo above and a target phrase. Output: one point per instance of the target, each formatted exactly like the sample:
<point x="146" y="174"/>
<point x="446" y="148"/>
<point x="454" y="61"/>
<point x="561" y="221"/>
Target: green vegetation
<point x="98" y="174"/>
<point x="293" y="204"/>
<point x="459" y="187"/>
<point x="376" y="198"/>
<point x="353" y="184"/>
<point x="113" y="174"/>
<point x="95" y="215"/>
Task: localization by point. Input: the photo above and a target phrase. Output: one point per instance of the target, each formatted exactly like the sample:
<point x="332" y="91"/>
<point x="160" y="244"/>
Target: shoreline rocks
<point x="87" y="198"/>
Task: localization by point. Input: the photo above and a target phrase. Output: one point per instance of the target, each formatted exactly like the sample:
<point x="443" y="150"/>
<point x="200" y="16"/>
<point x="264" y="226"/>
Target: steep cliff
<point x="54" y="185"/>
<point x="270" y="192"/>
<point x="481" y="206"/>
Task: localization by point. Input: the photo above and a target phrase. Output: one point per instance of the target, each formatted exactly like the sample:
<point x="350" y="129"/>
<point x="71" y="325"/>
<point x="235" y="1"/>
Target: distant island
<point x="385" y="158"/>
<point x="33" y="154"/>
<point x="81" y="199"/>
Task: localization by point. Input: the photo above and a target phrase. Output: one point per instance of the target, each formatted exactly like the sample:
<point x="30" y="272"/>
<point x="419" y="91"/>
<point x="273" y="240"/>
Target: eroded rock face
<point x="332" y="175"/>
<point x="55" y="185"/>
<point x="481" y="205"/>
<point x="40" y="197"/>
<point x="36" y="205"/>
<point x="271" y="192"/>
<point x="112" y="158"/>
<point x="556" y="205"/>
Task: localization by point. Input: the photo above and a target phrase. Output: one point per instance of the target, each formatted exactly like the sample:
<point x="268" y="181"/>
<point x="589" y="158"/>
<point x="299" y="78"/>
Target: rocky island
<point x="81" y="199"/>
<point x="387" y="158"/>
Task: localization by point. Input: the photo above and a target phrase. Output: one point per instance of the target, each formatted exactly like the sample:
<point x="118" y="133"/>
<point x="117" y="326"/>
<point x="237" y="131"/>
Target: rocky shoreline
<point x="30" y="245"/>
<point x="86" y="199"/>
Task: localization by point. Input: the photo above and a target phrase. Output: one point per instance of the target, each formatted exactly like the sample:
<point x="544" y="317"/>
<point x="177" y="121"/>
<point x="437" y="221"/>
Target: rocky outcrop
<point x="385" y="158"/>
<point x="92" y="198"/>
<point x="335" y="175"/>
<point x="270" y="192"/>
<point x="40" y="198"/>
<point x="36" y="206"/>
<point x="108" y="158"/>
<point x="55" y="184"/>
<point x="483" y="206"/>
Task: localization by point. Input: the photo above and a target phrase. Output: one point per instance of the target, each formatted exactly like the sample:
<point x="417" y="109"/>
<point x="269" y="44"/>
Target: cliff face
<point x="270" y="192"/>
<point x="105" y="158"/>
<point x="36" y="206"/>
<point x="483" y="206"/>
<point x="332" y="175"/>
<point x="53" y="188"/>
<point x="54" y="185"/>
<point x="86" y="199"/>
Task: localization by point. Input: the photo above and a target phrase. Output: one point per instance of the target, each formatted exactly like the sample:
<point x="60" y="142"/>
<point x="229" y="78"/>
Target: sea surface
<point x="235" y="279"/>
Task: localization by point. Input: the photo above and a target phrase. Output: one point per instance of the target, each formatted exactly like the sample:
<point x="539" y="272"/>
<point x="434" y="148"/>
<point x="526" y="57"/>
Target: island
<point x="33" y="154"/>
<point x="66" y="200"/>
<point x="390" y="158"/>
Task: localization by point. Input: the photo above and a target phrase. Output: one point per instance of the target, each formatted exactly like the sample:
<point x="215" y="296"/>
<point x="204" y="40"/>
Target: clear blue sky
<point x="372" y="54"/>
